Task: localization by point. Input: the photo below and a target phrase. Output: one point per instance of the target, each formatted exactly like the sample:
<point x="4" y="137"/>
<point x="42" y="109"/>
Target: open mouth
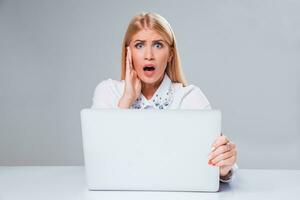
<point x="149" y="68"/>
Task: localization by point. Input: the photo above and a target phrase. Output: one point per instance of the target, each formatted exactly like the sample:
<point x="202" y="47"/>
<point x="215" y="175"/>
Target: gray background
<point x="244" y="55"/>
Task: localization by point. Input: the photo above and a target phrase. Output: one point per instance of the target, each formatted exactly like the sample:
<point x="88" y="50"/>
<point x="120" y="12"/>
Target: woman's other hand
<point x="223" y="155"/>
<point x="133" y="84"/>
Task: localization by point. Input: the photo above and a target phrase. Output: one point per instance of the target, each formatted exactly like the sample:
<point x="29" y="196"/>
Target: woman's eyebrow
<point x="159" y="40"/>
<point x="140" y="41"/>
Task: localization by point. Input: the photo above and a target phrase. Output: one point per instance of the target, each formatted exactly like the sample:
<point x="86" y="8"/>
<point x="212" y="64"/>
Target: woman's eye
<point x="138" y="45"/>
<point x="158" y="45"/>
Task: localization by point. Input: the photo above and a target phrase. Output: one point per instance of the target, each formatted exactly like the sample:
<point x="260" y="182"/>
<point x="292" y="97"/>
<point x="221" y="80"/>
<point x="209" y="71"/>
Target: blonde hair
<point x="161" y="25"/>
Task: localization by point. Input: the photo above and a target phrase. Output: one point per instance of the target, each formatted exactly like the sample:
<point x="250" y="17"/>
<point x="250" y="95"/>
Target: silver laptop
<point x="126" y="149"/>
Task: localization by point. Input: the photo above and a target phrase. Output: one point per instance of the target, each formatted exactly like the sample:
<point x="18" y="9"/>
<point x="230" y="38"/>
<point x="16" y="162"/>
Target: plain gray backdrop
<point x="244" y="55"/>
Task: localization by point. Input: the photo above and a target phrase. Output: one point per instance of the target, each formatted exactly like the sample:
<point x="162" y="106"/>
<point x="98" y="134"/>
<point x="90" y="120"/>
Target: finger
<point x="128" y="69"/>
<point x="129" y="58"/>
<point x="226" y="162"/>
<point x="221" y="140"/>
<point x="222" y="156"/>
<point x="214" y="143"/>
<point x="220" y="150"/>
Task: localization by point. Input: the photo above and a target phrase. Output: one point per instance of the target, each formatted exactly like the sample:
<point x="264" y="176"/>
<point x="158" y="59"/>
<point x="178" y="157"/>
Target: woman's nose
<point x="148" y="53"/>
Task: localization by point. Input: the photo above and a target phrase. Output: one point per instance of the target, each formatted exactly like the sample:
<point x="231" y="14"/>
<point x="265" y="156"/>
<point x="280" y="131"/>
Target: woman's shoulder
<point x="110" y="85"/>
<point x="190" y="96"/>
<point x="107" y="93"/>
<point x="178" y="87"/>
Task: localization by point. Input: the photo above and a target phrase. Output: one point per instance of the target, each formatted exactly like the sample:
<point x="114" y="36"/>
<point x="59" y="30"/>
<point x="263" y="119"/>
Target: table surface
<point x="68" y="182"/>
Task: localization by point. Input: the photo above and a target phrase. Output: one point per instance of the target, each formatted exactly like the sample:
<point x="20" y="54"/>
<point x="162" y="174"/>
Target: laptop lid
<point x="126" y="149"/>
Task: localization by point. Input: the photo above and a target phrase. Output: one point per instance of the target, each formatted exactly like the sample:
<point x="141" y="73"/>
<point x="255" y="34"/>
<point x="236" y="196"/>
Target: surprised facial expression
<point x="150" y="55"/>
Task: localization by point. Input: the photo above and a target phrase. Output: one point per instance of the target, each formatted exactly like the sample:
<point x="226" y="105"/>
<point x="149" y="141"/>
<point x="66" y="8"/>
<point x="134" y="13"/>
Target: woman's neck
<point x="148" y="90"/>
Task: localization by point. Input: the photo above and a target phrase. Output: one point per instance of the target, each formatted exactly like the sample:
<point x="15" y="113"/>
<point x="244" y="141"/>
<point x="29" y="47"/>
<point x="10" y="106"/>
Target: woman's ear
<point x="171" y="54"/>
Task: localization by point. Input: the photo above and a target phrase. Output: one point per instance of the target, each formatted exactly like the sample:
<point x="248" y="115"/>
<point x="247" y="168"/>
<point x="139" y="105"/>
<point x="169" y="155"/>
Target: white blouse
<point x="169" y="95"/>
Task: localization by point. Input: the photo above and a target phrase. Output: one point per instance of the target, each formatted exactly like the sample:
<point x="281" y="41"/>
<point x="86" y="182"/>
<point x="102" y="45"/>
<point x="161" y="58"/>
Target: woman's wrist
<point x="125" y="102"/>
<point x="227" y="175"/>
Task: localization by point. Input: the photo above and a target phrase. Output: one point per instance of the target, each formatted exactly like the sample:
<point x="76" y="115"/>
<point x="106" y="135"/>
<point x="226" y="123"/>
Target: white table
<point x="68" y="182"/>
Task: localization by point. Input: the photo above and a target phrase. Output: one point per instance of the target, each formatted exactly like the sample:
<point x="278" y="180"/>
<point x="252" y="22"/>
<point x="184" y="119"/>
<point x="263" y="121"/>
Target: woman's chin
<point x="149" y="80"/>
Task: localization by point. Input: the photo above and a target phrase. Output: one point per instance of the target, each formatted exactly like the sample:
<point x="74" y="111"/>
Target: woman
<point x="152" y="78"/>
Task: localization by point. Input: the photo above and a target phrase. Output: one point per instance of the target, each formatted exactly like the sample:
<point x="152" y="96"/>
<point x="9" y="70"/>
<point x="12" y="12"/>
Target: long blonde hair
<point x="161" y="25"/>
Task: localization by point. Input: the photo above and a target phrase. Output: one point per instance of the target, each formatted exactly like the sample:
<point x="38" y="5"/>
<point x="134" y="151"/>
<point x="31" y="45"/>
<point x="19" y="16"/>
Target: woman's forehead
<point x="147" y="35"/>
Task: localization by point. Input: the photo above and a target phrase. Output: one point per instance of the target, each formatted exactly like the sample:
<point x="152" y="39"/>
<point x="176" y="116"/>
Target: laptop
<point x="156" y="150"/>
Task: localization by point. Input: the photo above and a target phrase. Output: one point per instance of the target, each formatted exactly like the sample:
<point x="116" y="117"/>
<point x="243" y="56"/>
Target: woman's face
<point x="150" y="55"/>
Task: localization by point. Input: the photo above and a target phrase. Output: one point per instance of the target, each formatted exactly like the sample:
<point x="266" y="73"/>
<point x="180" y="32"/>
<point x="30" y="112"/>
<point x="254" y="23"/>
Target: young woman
<point x="152" y="78"/>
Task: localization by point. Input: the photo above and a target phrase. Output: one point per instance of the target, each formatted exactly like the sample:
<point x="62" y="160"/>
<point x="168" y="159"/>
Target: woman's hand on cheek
<point x="132" y="80"/>
<point x="133" y="84"/>
<point x="223" y="155"/>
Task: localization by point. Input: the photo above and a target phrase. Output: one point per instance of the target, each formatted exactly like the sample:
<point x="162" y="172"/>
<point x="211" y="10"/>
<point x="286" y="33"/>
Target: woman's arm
<point x="105" y="95"/>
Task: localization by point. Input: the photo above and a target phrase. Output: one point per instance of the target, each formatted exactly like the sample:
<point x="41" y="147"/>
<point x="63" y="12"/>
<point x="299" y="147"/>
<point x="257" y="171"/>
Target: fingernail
<point x="213" y="148"/>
